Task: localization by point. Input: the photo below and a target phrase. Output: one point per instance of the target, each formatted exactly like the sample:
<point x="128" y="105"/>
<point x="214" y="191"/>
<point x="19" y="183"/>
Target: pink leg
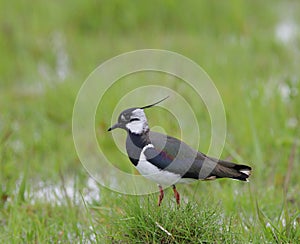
<point x="176" y="195"/>
<point x="161" y="194"/>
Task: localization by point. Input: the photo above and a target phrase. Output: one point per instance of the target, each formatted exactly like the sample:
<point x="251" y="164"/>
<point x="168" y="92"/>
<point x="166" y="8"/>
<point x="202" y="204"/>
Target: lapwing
<point x="167" y="160"/>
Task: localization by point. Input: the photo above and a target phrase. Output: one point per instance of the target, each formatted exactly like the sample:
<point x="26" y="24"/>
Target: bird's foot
<point x="161" y="195"/>
<point x="176" y="195"/>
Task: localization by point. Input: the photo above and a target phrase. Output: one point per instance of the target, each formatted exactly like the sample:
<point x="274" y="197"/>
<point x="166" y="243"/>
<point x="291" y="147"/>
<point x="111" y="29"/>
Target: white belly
<point x="153" y="173"/>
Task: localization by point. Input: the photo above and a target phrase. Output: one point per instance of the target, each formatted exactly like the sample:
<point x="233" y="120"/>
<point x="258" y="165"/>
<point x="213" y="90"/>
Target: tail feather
<point x="225" y="169"/>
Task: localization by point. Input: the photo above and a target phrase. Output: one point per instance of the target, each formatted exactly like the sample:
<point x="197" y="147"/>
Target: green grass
<point x="46" y="194"/>
<point x="149" y="223"/>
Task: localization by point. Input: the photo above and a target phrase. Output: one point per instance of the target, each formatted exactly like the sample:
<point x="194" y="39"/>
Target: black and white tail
<point x="225" y="169"/>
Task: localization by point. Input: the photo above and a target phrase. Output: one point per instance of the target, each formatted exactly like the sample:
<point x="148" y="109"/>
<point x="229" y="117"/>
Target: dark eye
<point x="134" y="119"/>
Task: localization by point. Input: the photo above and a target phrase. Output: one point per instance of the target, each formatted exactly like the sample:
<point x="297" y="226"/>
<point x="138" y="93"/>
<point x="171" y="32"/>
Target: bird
<point x="167" y="160"/>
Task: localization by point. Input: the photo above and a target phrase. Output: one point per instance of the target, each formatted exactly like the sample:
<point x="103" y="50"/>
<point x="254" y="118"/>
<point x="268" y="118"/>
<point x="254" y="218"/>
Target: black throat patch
<point x="135" y="144"/>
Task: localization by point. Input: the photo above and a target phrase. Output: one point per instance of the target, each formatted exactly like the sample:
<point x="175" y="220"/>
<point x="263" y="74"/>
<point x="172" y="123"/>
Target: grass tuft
<point x="144" y="222"/>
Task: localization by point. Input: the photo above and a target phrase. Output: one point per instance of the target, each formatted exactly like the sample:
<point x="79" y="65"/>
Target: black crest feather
<point x="153" y="104"/>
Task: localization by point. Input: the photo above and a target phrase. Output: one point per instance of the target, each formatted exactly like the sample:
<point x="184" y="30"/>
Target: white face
<point x="138" y="123"/>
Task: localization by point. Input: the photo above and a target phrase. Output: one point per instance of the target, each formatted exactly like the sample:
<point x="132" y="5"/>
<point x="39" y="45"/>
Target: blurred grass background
<point x="250" y="49"/>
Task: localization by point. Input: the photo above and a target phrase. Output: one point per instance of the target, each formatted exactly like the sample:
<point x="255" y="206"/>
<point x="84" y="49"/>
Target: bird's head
<point x="134" y="119"/>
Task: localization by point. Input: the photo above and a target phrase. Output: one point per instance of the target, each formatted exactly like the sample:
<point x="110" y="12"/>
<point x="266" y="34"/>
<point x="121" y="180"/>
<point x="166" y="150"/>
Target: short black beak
<point x="117" y="125"/>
